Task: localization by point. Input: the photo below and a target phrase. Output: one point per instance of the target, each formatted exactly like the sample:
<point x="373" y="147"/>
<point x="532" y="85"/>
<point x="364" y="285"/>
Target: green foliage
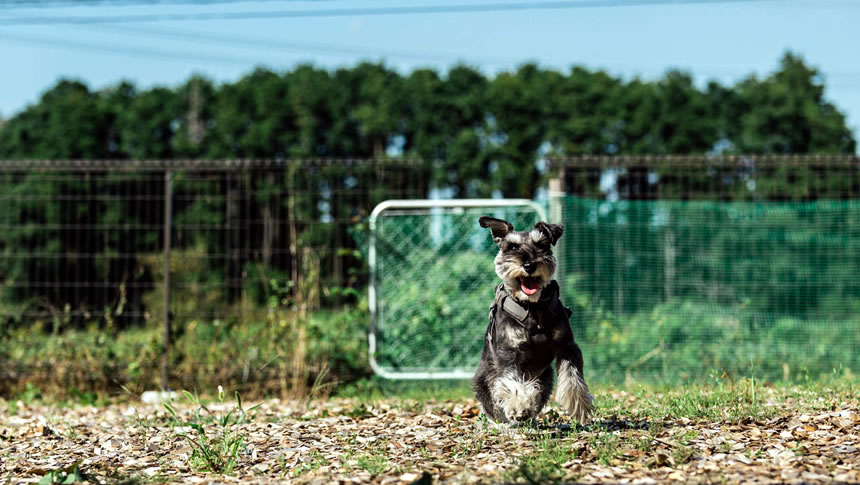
<point x="476" y="134"/>
<point x="70" y="474"/>
<point x="216" y="452"/>
<point x="543" y="464"/>
<point x="683" y="340"/>
<point x="254" y="356"/>
<point x="786" y="113"/>
<point x="441" y="326"/>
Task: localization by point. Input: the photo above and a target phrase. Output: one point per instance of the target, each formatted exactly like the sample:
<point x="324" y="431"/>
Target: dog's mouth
<point x="529" y="285"/>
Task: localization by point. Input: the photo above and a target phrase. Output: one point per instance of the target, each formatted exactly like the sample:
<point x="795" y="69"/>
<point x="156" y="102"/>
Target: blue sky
<point x="726" y="41"/>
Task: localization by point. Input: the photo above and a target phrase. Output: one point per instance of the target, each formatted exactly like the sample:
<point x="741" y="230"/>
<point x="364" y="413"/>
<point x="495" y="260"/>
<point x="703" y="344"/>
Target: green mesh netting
<point x="671" y="289"/>
<point x="434" y="285"/>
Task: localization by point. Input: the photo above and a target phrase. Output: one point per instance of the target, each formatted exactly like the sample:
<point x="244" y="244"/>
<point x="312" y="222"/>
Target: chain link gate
<point x="432" y="281"/>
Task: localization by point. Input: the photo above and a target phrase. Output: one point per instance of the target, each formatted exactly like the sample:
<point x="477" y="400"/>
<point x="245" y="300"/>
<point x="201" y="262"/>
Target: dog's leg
<point x="516" y="396"/>
<point x="545" y="379"/>
<point x="572" y="392"/>
<point x="481" y="385"/>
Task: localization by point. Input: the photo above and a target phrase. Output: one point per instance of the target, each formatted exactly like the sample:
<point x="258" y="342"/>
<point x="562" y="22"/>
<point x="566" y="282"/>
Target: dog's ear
<point x="498" y="227"/>
<point x="552" y="231"/>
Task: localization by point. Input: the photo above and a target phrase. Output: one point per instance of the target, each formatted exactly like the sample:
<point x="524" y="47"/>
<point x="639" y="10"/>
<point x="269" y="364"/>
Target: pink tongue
<point x="529" y="286"/>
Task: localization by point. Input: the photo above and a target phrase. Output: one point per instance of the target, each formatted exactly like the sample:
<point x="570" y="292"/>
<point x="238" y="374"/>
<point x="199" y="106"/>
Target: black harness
<point x="549" y="302"/>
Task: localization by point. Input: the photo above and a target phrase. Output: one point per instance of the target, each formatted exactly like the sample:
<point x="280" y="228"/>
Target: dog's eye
<point x="513" y="246"/>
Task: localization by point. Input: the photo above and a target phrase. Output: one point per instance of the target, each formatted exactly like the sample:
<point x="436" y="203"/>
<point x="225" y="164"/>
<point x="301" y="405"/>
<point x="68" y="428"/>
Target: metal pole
<point x="165" y="339"/>
<point x="556" y="216"/>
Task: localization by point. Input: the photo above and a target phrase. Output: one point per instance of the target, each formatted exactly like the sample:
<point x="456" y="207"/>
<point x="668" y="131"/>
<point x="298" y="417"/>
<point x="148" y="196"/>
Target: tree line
<point x="477" y="134"/>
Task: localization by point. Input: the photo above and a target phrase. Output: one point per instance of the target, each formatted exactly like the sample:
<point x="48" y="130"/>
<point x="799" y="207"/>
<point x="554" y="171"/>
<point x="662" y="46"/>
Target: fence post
<point x="556" y="216"/>
<point x="165" y="338"/>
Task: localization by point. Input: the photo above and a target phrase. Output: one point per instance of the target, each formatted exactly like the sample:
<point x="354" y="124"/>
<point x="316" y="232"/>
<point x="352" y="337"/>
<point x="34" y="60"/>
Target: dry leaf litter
<point x="339" y="441"/>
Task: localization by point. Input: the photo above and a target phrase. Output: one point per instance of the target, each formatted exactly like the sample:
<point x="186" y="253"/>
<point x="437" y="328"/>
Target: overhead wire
<point x="333" y="49"/>
<point x="123" y="50"/>
<point x="20" y="4"/>
<point x="845" y="79"/>
<point x="354" y="11"/>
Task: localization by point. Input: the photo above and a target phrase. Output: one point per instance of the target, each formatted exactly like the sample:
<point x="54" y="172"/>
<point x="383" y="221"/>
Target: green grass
<point x="373" y="461"/>
<point x="216" y="452"/>
<point x="316" y="461"/>
<point x="545" y="463"/>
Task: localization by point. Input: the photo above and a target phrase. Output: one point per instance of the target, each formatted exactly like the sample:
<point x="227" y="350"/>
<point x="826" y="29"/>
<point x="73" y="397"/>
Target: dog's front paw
<point x="582" y="408"/>
<point x="573" y="394"/>
<point x="520" y="416"/>
<point x="518" y="398"/>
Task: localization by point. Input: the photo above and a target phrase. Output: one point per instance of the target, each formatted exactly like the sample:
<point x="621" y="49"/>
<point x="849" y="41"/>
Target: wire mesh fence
<point x="82" y="244"/>
<point x="677" y="267"/>
<point x="433" y="280"/>
<point x="674" y="267"/>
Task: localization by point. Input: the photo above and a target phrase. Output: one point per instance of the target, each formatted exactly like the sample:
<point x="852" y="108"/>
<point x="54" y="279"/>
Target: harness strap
<point x="516" y="311"/>
<point x="508" y="304"/>
<point x="520" y="311"/>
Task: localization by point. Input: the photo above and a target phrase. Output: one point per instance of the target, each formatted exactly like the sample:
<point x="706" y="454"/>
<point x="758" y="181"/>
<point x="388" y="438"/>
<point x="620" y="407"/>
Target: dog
<point x="529" y="328"/>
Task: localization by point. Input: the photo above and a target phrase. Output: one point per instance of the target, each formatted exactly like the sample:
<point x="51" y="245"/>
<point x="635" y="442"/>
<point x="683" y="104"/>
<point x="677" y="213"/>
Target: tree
<point x="376" y="94"/>
<point x="253" y="118"/>
<point x="787" y="113"/>
<point x="68" y="122"/>
<point x="446" y="126"/>
<point x="516" y="127"/>
<point x="146" y="121"/>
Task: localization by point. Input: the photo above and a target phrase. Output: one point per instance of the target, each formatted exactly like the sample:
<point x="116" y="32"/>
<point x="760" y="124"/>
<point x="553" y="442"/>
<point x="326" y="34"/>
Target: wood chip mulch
<point x="439" y="442"/>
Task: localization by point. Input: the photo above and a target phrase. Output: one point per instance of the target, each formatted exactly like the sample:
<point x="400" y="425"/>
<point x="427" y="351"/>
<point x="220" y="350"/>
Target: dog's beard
<point x="520" y="284"/>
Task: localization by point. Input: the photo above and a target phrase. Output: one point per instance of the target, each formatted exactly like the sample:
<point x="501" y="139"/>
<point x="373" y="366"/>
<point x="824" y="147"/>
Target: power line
<point x="356" y="12"/>
<point x="12" y="4"/>
<point x="370" y="51"/>
<point x="842" y="80"/>
<point x="270" y="43"/>
<point x="123" y="50"/>
<point x="172" y="54"/>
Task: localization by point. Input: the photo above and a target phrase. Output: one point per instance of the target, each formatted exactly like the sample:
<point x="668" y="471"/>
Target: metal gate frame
<point x="372" y="302"/>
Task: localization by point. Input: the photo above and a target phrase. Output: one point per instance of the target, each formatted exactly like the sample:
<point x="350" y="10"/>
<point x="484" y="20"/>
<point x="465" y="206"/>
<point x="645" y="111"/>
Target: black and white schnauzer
<point x="529" y="328"/>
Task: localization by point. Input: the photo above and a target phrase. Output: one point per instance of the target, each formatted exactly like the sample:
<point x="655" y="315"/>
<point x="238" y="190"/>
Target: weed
<point x="359" y="411"/>
<point x="218" y="453"/>
<point x="544" y="465"/>
<point x="688" y="436"/>
<point x="606" y="447"/>
<point x="143" y="425"/>
<point x="71" y="433"/>
<point x="468" y="447"/>
<point x="313" y="463"/>
<point x="70" y="474"/>
<point x="374" y="462"/>
<point x="30" y="395"/>
<point x="682" y="454"/>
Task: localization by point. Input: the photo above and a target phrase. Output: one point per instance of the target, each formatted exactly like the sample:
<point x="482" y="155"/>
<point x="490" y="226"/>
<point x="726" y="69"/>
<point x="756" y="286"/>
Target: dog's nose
<point x="530" y="267"/>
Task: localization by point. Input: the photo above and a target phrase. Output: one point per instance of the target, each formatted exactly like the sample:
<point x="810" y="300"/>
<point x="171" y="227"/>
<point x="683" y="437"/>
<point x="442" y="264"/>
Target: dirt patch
<point x="404" y="442"/>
